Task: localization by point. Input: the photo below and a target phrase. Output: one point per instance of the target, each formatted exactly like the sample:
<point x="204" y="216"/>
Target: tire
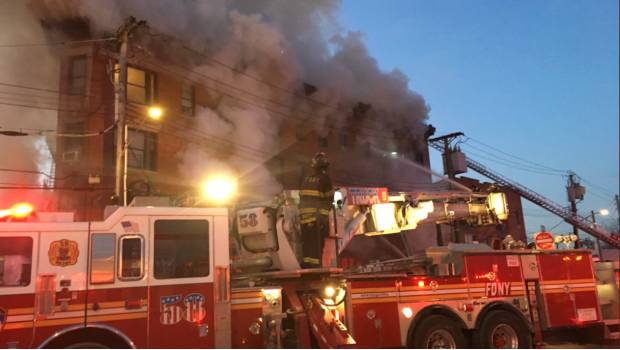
<point x="503" y="330"/>
<point x="438" y="332"/>
<point x="87" y="345"/>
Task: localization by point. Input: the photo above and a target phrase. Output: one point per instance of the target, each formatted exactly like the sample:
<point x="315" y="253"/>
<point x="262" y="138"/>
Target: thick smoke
<point x="281" y="45"/>
<point x="25" y="66"/>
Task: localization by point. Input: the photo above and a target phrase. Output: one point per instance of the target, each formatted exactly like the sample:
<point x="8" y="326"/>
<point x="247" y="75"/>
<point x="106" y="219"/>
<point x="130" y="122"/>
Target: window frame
<point x="8" y="289"/>
<point x="71" y="78"/>
<point x="191" y="99"/>
<point x="150" y="150"/>
<point x="150" y="84"/>
<point x="120" y="257"/>
<point x="114" y="257"/>
<point x="210" y="253"/>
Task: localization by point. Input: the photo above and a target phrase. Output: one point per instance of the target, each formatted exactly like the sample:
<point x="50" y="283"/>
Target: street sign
<point x="544" y="241"/>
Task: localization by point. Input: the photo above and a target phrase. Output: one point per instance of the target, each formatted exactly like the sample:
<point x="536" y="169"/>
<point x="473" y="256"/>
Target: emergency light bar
<point x="18" y="211"/>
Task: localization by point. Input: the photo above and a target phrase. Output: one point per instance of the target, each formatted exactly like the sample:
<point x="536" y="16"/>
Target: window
<point x="140" y="85"/>
<point x="73" y="144"/>
<point x="102" y="258"/>
<point x="15" y="261"/>
<point x="187" y="99"/>
<point x="131" y="266"/>
<point x="181" y="248"/>
<point x="141" y="149"/>
<point x="77" y="75"/>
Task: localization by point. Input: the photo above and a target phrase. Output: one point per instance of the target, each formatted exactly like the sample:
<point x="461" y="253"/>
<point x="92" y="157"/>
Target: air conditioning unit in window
<point x="70" y="156"/>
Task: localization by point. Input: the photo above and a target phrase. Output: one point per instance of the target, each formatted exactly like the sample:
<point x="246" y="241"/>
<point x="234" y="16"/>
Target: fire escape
<point x="579" y="221"/>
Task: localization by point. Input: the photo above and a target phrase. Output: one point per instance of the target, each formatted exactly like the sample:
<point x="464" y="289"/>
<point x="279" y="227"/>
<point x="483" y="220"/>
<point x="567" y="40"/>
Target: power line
<point x="56" y="43"/>
<point x="517" y="157"/>
<point x="512" y="162"/>
<point x="512" y="165"/>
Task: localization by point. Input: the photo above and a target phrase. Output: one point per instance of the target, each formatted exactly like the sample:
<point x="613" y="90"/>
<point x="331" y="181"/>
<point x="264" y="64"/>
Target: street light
<point x="155" y="112"/>
<point x="603" y="212"/>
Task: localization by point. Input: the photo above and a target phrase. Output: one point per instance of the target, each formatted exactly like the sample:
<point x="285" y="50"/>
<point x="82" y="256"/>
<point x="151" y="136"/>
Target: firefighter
<point x="315" y="201"/>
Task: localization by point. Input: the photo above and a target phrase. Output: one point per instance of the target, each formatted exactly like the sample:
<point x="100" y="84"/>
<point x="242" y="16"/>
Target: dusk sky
<point x="534" y="79"/>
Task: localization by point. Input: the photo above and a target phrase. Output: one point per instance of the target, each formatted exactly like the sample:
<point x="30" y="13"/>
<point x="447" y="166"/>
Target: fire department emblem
<point x="175" y="308"/>
<point x="63" y="253"/>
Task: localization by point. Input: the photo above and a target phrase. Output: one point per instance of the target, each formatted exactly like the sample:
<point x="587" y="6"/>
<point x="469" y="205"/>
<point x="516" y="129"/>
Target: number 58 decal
<point x="246" y="220"/>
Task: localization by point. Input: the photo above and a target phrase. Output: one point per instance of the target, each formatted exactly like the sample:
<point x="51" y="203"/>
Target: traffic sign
<point x="544" y="241"/>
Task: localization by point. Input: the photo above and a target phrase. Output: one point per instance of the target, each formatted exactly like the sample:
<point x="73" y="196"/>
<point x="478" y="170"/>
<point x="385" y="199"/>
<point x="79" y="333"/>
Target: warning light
<point x="18" y="211"/>
<point x="22" y="210"/>
<point x="421" y="284"/>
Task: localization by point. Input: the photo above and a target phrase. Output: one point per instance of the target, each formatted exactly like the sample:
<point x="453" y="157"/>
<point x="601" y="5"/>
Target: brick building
<point x="88" y="106"/>
<point x="85" y="166"/>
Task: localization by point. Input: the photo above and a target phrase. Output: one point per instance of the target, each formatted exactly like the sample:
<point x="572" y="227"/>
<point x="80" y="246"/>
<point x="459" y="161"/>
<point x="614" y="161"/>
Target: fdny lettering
<point x="175" y="308"/>
<point x="497" y="289"/>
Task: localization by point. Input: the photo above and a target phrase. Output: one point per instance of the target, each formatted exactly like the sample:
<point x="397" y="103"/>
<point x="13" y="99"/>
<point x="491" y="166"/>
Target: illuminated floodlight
<point x="219" y="188"/>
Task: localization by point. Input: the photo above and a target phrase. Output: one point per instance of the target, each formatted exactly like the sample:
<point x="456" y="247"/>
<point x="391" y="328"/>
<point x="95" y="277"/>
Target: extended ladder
<point x="581" y="222"/>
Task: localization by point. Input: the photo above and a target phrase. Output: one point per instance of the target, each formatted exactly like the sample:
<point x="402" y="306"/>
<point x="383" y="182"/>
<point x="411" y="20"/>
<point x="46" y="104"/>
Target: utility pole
<point x="575" y="191"/>
<point x="447" y="152"/>
<point x="120" y="104"/>
<point x="451" y="170"/>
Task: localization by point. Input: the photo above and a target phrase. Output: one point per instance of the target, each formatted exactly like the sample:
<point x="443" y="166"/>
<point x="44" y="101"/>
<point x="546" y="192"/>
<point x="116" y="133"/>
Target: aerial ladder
<point x="579" y="221"/>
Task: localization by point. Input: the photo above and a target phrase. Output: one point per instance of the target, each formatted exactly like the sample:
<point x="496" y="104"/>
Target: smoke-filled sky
<point x="536" y="79"/>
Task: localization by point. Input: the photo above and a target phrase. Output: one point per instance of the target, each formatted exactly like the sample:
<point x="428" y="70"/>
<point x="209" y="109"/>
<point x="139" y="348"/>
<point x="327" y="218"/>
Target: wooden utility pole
<point x="120" y="104"/>
<point x="572" y="190"/>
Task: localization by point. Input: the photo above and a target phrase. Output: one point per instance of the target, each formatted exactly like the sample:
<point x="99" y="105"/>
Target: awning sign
<point x="367" y="195"/>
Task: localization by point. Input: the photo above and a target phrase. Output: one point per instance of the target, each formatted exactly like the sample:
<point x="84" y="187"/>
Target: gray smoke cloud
<point x="280" y="44"/>
<point x="35" y="66"/>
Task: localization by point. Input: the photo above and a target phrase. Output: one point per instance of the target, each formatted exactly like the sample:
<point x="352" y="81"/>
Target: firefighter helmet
<point x="320" y="161"/>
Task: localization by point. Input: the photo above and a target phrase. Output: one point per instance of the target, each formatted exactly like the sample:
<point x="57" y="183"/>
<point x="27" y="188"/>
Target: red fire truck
<point x="163" y="277"/>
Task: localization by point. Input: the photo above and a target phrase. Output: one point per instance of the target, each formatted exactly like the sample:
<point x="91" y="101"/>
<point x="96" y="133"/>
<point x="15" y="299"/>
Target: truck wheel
<point x="438" y="332"/>
<point x="503" y="330"/>
<point x="87" y="345"/>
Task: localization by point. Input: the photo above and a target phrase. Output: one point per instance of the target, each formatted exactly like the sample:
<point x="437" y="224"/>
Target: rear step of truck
<point x="311" y="316"/>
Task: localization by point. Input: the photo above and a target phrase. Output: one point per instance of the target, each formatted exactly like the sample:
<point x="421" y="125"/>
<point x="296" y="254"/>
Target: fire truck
<point x="180" y="277"/>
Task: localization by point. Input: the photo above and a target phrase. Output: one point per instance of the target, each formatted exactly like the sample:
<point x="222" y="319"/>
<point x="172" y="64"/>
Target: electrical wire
<point x="57" y="43"/>
<point x="524" y="166"/>
<point x="517" y="157"/>
<point x="511" y="165"/>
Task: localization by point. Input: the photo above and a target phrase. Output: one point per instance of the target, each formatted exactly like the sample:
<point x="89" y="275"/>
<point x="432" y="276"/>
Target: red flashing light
<point x="22" y="210"/>
<point x="18" y="211"/>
